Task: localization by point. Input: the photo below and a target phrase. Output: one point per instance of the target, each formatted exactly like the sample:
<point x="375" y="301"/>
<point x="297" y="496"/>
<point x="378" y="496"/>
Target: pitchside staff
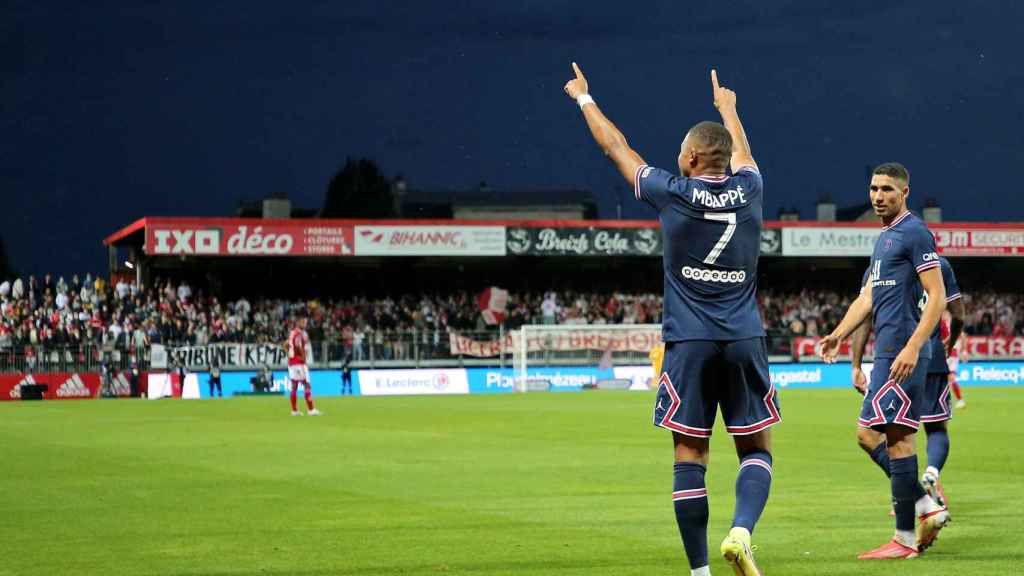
<point x="715" y="352"/>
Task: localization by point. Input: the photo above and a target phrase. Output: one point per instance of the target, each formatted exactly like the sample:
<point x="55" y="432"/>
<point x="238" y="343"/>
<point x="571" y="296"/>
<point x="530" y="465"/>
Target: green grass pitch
<point x="535" y="484"/>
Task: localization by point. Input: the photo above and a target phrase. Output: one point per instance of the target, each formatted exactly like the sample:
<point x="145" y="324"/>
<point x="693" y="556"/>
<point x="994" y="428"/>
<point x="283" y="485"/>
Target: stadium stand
<point x="76" y="324"/>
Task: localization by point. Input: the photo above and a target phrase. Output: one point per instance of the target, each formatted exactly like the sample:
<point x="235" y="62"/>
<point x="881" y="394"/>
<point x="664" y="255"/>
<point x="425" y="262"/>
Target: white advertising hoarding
<point x="406" y="382"/>
<point x="424" y="240"/>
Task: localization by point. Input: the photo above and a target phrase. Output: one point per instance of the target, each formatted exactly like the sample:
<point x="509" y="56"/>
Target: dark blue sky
<point x="116" y="110"/>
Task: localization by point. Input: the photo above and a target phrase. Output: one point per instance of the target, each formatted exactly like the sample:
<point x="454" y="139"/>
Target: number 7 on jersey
<point x="730" y="228"/>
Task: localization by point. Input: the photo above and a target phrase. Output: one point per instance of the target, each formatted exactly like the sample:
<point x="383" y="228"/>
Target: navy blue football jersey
<point x="712" y="236"/>
<point x="938" y="361"/>
<point x="905" y="249"/>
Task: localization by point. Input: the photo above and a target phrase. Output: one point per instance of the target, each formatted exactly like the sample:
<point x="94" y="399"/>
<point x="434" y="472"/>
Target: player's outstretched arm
<point x="607" y="136"/>
<point x="858" y="311"/>
<point x="906" y="360"/>
<point x="725" y="101"/>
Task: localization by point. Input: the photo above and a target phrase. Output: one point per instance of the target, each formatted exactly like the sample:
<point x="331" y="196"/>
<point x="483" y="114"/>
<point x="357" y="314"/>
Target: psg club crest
<point x="888" y="244"/>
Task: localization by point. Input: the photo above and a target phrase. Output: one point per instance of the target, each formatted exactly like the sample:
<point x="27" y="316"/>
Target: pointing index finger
<point x="579" y="73"/>
<point x="714" y="79"/>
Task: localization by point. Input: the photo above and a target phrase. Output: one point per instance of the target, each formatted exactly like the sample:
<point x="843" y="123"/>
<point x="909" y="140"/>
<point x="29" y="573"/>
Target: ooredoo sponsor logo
<point x="721" y="276"/>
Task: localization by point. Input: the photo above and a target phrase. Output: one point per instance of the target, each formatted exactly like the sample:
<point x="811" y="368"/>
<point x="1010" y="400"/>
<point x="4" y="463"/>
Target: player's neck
<point x="886" y="222"/>
<point x="707" y="173"/>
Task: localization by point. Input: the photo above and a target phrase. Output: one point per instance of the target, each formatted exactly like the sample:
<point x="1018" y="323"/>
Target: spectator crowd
<point x="89" y="310"/>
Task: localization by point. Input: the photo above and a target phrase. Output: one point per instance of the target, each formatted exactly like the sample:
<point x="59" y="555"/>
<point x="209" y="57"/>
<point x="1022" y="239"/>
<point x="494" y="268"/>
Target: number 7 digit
<point x="730" y="227"/>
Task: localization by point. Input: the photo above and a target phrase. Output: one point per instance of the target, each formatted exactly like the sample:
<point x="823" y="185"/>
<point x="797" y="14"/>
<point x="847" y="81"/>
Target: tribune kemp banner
<point x="639" y="340"/>
<point x="589" y="241"/>
<point x="227" y="356"/>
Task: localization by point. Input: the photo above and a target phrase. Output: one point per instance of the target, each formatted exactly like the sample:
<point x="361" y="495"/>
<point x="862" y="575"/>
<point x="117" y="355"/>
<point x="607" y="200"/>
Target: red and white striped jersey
<point x="298" y="347"/>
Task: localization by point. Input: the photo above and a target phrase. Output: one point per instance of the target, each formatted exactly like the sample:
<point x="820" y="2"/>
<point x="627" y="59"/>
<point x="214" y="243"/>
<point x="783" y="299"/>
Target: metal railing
<point x="373" y="350"/>
<point x="68" y="358"/>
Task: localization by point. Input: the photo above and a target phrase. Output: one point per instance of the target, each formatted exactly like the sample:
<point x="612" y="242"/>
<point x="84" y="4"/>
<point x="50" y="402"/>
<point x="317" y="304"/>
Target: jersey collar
<point x="715" y="179"/>
<point x="897" y="220"/>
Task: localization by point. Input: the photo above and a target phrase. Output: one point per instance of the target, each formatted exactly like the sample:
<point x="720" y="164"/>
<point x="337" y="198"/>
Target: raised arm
<point x="607" y="136"/>
<point x="725" y="101"/>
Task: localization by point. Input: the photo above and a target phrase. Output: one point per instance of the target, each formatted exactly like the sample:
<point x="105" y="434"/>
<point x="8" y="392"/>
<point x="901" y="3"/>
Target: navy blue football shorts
<point x="887" y="402"/>
<point x="935" y="407"/>
<point x="701" y="375"/>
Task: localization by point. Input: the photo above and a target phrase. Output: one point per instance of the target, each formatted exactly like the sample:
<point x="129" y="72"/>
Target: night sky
<point x="116" y="110"/>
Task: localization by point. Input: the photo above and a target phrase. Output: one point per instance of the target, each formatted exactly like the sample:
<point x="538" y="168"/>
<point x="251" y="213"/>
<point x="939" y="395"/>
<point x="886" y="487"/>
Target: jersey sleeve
<point x="949" y="279"/>
<point x="923" y="254"/>
<point x="652" y="185"/>
<point x="751" y="177"/>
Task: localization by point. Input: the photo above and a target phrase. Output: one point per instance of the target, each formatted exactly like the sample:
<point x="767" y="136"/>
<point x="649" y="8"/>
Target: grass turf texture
<point x="536" y="484"/>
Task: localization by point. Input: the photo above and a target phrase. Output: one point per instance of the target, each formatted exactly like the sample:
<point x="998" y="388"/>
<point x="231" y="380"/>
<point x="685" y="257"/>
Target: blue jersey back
<point x="712" y="236"/>
<point x="938" y="361"/>
<point x="904" y="250"/>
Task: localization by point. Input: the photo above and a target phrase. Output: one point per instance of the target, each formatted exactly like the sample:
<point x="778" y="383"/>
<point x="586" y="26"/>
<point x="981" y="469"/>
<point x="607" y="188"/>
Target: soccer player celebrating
<point x="904" y="264"/>
<point x="936" y="408"/>
<point x="715" y="353"/>
<point x="300" y="352"/>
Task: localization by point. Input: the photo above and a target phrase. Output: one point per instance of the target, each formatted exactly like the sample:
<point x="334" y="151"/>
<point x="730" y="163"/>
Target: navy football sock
<point x="938" y="448"/>
<point x="881" y="457"/>
<point x="905" y="490"/>
<point x="690" y="500"/>
<point x="752" y="486"/>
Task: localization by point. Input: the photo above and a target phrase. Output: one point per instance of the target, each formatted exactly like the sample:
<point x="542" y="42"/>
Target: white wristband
<point x="583" y="99"/>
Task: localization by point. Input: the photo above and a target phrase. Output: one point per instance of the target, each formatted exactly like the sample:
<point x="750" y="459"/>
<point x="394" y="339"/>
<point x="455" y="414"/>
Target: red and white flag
<point x="493" y="302"/>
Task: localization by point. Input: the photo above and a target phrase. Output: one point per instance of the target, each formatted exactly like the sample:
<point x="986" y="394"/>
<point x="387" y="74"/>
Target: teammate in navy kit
<point x="715" y="352"/>
<point x="936" y="409"/>
<point x="904" y="265"/>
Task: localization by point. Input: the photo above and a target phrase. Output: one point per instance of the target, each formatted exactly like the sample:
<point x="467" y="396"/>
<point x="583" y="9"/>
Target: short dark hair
<point x="893" y="170"/>
<point x="712" y="139"/>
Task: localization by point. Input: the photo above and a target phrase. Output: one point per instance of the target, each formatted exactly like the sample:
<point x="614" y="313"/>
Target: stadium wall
<point x="482" y="380"/>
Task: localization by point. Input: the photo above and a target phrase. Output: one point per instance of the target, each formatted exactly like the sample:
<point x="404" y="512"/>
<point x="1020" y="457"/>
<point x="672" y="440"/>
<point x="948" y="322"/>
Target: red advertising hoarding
<point x="995" y="347"/>
<point x="59" y="386"/>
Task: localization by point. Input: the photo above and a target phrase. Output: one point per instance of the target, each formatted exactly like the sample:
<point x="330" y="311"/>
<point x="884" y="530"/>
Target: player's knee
<point x="868" y="439"/>
<point x="930" y="427"/>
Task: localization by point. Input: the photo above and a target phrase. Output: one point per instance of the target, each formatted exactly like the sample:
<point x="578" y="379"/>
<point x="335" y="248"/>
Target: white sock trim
<point x="907" y="538"/>
<point x="702" y="571"/>
<point x="933" y="471"/>
<point x="924" y="505"/>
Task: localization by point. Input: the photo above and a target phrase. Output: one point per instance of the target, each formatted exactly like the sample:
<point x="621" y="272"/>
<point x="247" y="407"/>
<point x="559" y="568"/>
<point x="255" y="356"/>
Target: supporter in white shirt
<point x="18" y="289"/>
<point x="5" y="289"/>
<point x="549" y="308"/>
<point x="184" y="292"/>
<point x="61" y="300"/>
<point x="122" y="289"/>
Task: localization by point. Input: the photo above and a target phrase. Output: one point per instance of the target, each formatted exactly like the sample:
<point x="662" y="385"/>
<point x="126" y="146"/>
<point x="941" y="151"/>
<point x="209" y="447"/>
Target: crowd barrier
<point x="477" y="380"/>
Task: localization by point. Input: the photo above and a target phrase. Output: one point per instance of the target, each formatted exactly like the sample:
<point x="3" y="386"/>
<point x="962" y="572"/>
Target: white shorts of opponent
<point x="953" y="363"/>
<point x="298" y="372"/>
